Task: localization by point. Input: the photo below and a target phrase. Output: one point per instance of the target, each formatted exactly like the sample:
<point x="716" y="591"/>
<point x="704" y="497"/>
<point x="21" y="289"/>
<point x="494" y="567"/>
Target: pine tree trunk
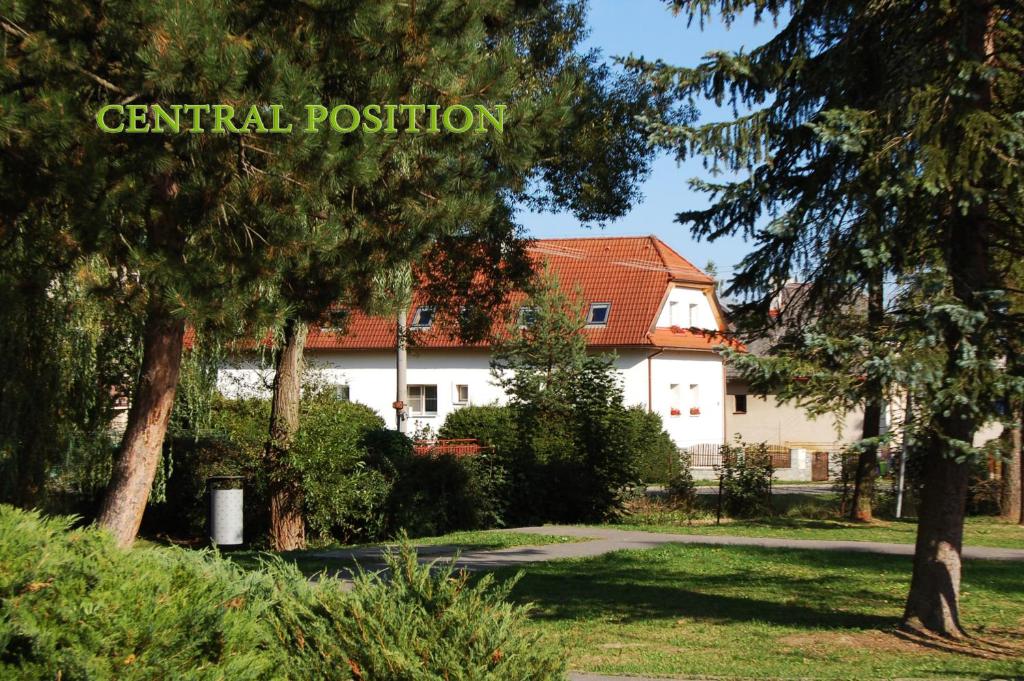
<point x="867" y="465"/>
<point x="1012" y="505"/>
<point x="141" y="445"/>
<point x="934" y="600"/>
<point x="287" y="526"/>
<point x="867" y="461"/>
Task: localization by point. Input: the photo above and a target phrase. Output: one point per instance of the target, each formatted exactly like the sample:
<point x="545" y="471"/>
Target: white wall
<point x="370" y="376"/>
<point x="683" y="369"/>
<point x="683" y="297"/>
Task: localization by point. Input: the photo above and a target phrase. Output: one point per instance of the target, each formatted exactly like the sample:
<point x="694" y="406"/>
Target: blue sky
<point x="647" y="28"/>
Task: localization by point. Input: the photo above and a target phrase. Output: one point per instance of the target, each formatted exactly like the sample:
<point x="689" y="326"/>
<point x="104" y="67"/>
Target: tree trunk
<point x="287" y="526"/>
<point x="867" y="465"/>
<point x="1011" y="501"/>
<point x="934" y="600"/>
<point x="867" y="461"/>
<point x="135" y="468"/>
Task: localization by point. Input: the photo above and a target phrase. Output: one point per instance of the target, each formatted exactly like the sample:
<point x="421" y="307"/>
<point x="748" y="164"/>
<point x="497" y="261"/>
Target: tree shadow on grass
<point x="802" y="588"/>
<point x="631" y="592"/>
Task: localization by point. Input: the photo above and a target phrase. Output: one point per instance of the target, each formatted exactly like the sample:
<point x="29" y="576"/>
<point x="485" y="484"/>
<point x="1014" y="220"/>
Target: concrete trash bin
<point x="225" y="510"/>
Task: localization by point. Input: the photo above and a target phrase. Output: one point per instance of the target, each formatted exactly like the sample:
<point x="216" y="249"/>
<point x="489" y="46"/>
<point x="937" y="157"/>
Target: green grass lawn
<point x="483" y="540"/>
<point x="806" y="516"/>
<point x="977" y="531"/>
<point x="759" y="613"/>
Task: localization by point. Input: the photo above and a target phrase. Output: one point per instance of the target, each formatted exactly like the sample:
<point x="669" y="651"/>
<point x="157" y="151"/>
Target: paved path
<point x="605" y="540"/>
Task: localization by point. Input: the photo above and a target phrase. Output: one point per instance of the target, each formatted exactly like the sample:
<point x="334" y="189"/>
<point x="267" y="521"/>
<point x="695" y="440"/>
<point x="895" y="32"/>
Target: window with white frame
<point x="461" y="395"/>
<point x="343" y="393"/>
<point x="423" y="400"/>
<point x="673" y="313"/>
<point x="694" y="399"/>
<point x="597" y="315"/>
<point x="674" y="398"/>
<point x="422" y="318"/>
<point x="693" y="314"/>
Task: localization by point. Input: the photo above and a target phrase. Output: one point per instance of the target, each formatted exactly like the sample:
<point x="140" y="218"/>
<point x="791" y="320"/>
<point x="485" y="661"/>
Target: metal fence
<point x="709" y="455"/>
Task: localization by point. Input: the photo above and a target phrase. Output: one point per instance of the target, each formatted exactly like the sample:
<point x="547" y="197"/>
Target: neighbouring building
<point x="644" y="302"/>
<point x="756" y="418"/>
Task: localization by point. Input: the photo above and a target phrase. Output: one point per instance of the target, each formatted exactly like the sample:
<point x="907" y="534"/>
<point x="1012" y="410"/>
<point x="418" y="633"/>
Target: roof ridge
<point x="660" y="247"/>
<point x="623" y="237"/>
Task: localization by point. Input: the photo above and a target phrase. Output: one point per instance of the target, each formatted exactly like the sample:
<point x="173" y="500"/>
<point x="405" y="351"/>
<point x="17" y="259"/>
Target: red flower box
<point x="674" y="412"/>
<point x="694" y="411"/>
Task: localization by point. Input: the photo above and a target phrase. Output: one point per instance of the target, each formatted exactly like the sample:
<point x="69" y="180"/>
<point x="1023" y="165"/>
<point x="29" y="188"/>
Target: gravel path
<point x="605" y="540"/>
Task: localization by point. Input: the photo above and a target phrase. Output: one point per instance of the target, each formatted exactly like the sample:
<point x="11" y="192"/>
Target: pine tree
<point x="931" y="137"/>
<point x="187" y="216"/>
<point x="444" y="204"/>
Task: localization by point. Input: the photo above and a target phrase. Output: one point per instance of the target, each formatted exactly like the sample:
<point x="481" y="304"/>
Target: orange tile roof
<point x="630" y="273"/>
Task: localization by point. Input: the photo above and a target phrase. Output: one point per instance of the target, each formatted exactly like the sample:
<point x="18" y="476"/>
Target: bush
<point x="441" y="494"/>
<point x="424" y="624"/>
<point x="346" y="487"/>
<point x="231" y="445"/>
<point x="680" y="489"/>
<point x="75" y="606"/>
<point x="492" y="425"/>
<point x="655" y="453"/>
<point x="72" y="605"/>
<point x="746" y="480"/>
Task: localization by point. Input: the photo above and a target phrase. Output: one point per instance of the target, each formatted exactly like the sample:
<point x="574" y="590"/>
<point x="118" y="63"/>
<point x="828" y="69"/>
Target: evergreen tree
<point x="574" y="452"/>
<point x="443" y="204"/>
<point x="190" y="217"/>
<point x="916" y="167"/>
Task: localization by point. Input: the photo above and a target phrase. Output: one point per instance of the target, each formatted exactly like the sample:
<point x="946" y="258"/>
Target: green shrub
<point x="345" y="496"/>
<point x="680" y="489"/>
<point x="74" y="606"/>
<point x="441" y="494"/>
<point x="420" y="623"/>
<point x="746" y="480"/>
<point x="656" y="455"/>
<point x="492" y="425"/>
<point x="231" y="445"/>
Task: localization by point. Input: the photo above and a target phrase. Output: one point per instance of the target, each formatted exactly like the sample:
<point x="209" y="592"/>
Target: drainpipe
<point x="650" y="389"/>
<point x="401" y="366"/>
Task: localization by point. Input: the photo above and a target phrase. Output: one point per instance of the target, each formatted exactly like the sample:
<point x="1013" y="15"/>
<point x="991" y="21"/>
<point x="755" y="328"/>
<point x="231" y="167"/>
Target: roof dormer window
<point x="597" y="315"/>
<point x="422" y="318"/>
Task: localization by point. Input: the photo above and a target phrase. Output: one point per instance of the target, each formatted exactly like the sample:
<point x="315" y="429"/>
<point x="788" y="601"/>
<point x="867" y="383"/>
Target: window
<point x="693" y="314"/>
<point x="423" y="400"/>
<point x="741" y="404"/>
<point x="673" y="313"/>
<point x="674" y="399"/>
<point x="527" y="316"/>
<point x="422" y="318"/>
<point x="342" y="392"/>
<point x="597" y="315"/>
<point x="461" y="394"/>
<point x="694" y="399"/>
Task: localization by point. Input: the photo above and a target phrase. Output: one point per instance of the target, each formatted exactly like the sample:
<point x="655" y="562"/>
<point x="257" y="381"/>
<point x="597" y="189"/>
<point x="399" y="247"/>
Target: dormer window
<point x="527" y="316"/>
<point x="422" y="318"/>
<point x="597" y="315"/>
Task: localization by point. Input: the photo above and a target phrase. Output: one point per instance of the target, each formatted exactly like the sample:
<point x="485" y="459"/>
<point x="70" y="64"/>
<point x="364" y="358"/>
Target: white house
<point x="647" y="304"/>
